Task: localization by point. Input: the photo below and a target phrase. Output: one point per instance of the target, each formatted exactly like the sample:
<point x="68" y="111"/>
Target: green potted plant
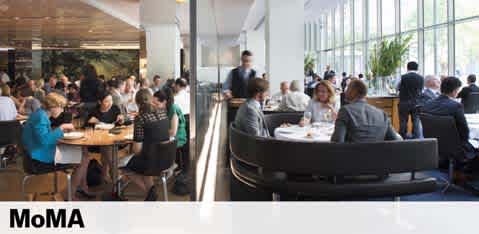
<point x="386" y="58"/>
<point x="309" y="64"/>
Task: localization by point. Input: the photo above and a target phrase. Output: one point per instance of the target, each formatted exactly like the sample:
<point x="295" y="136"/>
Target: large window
<point x="408" y="15"/>
<point x="388" y="17"/>
<point x="373" y="18"/>
<point x="435" y="12"/>
<point x="358" y="20"/>
<point x="466" y="8"/>
<point x="467" y="49"/>
<point x="351" y="31"/>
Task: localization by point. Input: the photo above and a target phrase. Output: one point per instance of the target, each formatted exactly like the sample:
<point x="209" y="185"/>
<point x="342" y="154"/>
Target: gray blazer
<point x="250" y="119"/>
<point x="360" y="122"/>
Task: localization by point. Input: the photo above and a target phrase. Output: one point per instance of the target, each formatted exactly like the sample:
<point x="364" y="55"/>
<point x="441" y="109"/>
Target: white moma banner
<point x="241" y="218"/>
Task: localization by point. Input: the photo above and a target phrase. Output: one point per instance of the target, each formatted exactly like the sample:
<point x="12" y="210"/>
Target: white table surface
<point x="473" y="123"/>
<point x="296" y="133"/>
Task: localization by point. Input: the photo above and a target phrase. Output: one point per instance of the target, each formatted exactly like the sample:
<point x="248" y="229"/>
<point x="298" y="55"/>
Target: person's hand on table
<point x="120" y="119"/>
<point x="66" y="127"/>
<point x="93" y="120"/>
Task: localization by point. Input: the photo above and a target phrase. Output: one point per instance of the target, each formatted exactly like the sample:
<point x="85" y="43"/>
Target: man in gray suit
<point x="250" y="118"/>
<point x="359" y="122"/>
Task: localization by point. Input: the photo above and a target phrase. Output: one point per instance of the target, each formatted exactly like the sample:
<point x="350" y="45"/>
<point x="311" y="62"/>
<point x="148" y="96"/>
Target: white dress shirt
<point x="182" y="99"/>
<point x="294" y="101"/>
<point x="8" y="111"/>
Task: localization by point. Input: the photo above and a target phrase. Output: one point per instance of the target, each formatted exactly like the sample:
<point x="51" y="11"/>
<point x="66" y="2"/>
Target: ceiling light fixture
<point x="16" y="18"/>
<point x="180" y="1"/>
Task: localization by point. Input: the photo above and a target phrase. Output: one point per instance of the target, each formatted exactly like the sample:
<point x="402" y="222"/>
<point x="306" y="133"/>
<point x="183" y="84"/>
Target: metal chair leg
<point x="4" y="163"/>
<point x="165" y="186"/>
<point x="24" y="182"/>
<point x="55" y="182"/>
<point x="69" y="186"/>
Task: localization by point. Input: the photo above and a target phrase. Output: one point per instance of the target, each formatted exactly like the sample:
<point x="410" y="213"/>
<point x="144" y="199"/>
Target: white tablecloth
<point x="296" y="133"/>
<point x="473" y="123"/>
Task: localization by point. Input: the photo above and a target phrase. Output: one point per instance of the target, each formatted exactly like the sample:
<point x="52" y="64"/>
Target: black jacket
<point x="411" y="87"/>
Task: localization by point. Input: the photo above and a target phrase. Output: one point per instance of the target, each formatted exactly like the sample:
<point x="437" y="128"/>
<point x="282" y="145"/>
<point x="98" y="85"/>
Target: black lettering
<point x="19" y="221"/>
<point x="56" y="221"/>
<point x="76" y="219"/>
<point x="38" y="221"/>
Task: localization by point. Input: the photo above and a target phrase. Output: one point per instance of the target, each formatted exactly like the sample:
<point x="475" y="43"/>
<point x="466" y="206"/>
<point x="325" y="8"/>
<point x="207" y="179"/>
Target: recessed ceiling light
<point x="16" y="18"/>
<point x="180" y="1"/>
<point x="47" y="17"/>
<point x="90" y="31"/>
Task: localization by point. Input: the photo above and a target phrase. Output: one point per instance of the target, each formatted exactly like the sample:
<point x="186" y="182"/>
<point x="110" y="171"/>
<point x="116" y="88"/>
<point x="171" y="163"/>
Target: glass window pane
<point x="348" y="37"/>
<point x="435" y="51"/>
<point x="337" y="60"/>
<point x="358" y="59"/>
<point x="388" y="15"/>
<point x="466" y="8"/>
<point x="358" y="20"/>
<point x="435" y="12"/>
<point x="348" y="56"/>
<point x="413" y="52"/>
<point x="467" y="49"/>
<point x="329" y="31"/>
<point x="373" y="18"/>
<point x="408" y="15"/>
<point x="337" y="27"/>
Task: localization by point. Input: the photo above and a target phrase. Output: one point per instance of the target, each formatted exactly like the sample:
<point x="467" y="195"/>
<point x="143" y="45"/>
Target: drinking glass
<point x="307" y="118"/>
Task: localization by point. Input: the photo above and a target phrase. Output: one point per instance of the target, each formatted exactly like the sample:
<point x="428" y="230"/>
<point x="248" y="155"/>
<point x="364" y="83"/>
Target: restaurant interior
<point x="239" y="100"/>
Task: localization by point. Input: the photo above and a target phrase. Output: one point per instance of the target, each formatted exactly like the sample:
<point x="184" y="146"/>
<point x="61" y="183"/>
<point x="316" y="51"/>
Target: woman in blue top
<point x="40" y="140"/>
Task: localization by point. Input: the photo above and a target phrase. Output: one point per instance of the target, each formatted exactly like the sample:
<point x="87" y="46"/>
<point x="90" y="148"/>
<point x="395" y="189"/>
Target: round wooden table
<point x="99" y="137"/>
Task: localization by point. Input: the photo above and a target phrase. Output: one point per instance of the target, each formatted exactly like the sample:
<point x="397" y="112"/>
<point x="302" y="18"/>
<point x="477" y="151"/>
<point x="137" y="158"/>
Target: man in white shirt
<point x="284" y="87"/>
<point x="8" y="111"/>
<point x="182" y="97"/>
<point x="296" y="100"/>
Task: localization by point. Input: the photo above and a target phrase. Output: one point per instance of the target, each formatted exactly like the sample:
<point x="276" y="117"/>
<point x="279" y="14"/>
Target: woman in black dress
<point x="147" y="114"/>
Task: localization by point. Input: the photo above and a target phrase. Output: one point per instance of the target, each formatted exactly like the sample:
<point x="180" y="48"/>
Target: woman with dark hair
<point x="137" y="163"/>
<point x="164" y="100"/>
<point x="89" y="89"/>
<point x="105" y="112"/>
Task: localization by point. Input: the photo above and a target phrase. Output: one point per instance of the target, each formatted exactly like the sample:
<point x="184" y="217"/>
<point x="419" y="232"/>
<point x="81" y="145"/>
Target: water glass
<point x="307" y="118"/>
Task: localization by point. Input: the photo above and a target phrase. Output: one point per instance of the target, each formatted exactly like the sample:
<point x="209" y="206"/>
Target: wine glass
<point x="307" y="118"/>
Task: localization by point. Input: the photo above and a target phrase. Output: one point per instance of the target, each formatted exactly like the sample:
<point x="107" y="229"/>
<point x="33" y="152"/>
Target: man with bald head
<point x="284" y="89"/>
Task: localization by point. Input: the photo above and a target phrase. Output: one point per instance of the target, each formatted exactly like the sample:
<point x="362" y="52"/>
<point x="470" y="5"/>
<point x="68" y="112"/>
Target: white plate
<point x="73" y="135"/>
<point x="129" y="137"/>
<point x="104" y="126"/>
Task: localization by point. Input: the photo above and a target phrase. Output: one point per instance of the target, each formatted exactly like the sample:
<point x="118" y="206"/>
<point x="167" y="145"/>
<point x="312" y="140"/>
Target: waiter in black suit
<point x="236" y="84"/>
<point x="410" y="89"/>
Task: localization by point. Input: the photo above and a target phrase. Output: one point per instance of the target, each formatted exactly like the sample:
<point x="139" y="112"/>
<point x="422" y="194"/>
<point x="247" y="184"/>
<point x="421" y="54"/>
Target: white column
<point x="163" y="42"/>
<point x="255" y="42"/>
<point x="284" y="33"/>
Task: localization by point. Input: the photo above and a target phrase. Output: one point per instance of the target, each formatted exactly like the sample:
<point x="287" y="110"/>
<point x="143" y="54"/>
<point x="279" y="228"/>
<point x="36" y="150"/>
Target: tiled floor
<point x="11" y="180"/>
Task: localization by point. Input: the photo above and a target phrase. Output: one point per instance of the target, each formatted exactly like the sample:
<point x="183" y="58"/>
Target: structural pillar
<point x="284" y="34"/>
<point x="162" y="36"/>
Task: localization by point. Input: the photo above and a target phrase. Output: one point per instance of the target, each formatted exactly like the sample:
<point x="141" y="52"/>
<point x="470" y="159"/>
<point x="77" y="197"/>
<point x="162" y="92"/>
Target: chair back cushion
<point x="10" y="132"/>
<point x="471" y="104"/>
<point x="443" y="128"/>
<point x="159" y="157"/>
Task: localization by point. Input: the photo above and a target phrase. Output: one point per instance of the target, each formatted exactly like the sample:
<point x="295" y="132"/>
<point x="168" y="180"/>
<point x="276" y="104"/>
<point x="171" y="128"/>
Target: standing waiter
<point x="237" y="81"/>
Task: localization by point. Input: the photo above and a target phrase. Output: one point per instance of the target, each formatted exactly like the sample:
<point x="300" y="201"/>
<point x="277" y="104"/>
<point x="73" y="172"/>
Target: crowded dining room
<point x="229" y="100"/>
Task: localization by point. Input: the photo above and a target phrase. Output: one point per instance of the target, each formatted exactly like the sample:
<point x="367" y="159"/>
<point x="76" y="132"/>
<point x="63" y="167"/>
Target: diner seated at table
<point x="323" y="107"/>
<point x="8" y="111"/>
<point x="117" y="87"/>
<point x="129" y="94"/>
<point x="107" y="113"/>
<point x="432" y="86"/>
<point x="445" y="105"/>
<point x="27" y="104"/>
<point x="138" y="163"/>
<point x="295" y="100"/>
<point x="250" y="118"/>
<point x="278" y="97"/>
<point x="360" y="122"/>
<point x="164" y="100"/>
<point x="40" y="140"/>
<point x="73" y="94"/>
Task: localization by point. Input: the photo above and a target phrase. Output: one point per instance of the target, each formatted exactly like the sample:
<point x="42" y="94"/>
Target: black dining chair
<point x="471" y="104"/>
<point x="10" y="134"/>
<point x="444" y="129"/>
<point x="159" y="153"/>
<point x="31" y="171"/>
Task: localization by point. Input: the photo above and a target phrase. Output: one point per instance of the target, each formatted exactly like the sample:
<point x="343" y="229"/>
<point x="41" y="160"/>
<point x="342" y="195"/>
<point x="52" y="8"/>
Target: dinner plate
<point x="73" y="135"/>
<point x="104" y="126"/>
